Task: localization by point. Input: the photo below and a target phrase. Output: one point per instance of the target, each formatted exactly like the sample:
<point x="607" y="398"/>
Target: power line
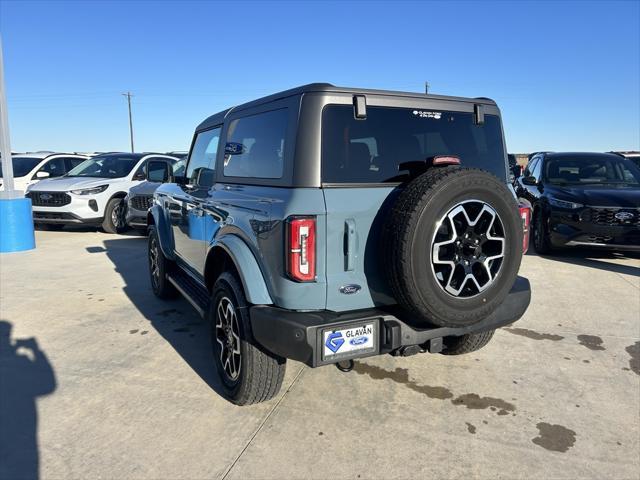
<point x="128" y="95"/>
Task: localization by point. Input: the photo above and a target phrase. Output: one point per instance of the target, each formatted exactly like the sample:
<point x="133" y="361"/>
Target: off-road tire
<point x="541" y="242"/>
<point x="261" y="373"/>
<point x="108" y="224"/>
<point x="466" y="343"/>
<point x="411" y="226"/>
<point x="160" y="284"/>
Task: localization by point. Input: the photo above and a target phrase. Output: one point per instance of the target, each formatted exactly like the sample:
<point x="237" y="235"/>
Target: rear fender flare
<point x="247" y="267"/>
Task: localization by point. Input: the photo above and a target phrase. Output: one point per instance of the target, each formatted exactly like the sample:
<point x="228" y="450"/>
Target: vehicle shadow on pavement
<point x="25" y="375"/>
<point x="175" y="320"/>
<point x="585" y="257"/>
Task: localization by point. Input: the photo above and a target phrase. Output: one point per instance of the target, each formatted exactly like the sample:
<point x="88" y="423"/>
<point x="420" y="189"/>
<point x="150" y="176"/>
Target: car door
<point x="186" y="209"/>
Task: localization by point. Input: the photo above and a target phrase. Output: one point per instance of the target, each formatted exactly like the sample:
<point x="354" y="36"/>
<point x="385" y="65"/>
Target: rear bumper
<point x="299" y="335"/>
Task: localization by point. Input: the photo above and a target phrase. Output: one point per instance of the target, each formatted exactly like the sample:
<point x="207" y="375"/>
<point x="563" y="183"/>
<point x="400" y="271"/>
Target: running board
<point x="190" y="289"/>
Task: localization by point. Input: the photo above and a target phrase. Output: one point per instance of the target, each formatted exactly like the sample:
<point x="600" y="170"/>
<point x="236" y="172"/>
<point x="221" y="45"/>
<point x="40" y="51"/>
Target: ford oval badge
<point x="624" y="216"/>
<point x="350" y="289"/>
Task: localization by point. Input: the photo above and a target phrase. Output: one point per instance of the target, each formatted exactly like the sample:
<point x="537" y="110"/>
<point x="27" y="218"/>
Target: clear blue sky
<point x="566" y="75"/>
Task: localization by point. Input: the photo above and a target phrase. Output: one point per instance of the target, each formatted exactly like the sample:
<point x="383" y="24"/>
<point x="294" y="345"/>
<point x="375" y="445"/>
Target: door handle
<point x="350" y="244"/>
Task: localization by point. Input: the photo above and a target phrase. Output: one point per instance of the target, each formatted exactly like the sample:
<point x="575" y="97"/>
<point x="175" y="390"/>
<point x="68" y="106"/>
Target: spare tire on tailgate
<point x="453" y="245"/>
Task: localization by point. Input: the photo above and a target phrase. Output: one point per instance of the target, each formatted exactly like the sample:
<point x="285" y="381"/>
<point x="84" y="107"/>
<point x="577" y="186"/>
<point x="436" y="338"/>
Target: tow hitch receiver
<point x="345" y="365"/>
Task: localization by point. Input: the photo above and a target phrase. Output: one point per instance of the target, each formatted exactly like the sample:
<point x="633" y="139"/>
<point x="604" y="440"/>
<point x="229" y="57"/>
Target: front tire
<point x="541" y="241"/>
<point x="114" y="216"/>
<point x="248" y="373"/>
<point x="158" y="268"/>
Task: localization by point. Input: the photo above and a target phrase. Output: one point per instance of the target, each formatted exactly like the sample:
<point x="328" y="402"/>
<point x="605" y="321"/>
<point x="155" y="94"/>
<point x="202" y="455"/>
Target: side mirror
<point x="530" y="180"/>
<point x="159" y="171"/>
<point x="42" y="174"/>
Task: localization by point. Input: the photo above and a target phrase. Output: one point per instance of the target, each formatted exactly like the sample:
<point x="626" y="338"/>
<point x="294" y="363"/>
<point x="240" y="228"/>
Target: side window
<point x="530" y="166"/>
<point x="202" y="161"/>
<point x="262" y="140"/>
<point x="73" y="162"/>
<point x="536" y="169"/>
<point x="54" y="167"/>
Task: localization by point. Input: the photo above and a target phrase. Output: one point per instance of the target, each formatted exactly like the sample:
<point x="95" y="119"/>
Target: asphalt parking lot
<point x="117" y="384"/>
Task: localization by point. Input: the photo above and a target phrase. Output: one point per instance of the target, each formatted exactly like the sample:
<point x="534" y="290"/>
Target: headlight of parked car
<point x="564" y="204"/>
<point x="90" y="191"/>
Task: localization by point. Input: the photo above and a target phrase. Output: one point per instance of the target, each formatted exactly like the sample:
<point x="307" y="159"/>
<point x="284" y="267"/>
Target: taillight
<point x="525" y="215"/>
<point x="301" y="248"/>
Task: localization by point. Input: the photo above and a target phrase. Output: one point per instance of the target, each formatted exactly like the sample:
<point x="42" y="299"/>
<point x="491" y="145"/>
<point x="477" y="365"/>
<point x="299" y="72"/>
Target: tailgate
<point x="354" y="223"/>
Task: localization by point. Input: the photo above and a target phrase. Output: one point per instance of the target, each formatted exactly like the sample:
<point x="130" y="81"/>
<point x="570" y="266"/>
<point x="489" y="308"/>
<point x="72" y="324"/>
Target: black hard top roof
<point x="329" y="88"/>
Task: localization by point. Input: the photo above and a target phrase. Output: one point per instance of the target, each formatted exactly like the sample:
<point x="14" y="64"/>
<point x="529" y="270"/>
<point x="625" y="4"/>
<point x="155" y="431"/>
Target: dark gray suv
<point x="324" y="224"/>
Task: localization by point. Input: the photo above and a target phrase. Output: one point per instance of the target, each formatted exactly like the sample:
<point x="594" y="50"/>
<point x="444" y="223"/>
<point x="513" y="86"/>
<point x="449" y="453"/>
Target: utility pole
<point x="128" y="95"/>
<point x="426" y="88"/>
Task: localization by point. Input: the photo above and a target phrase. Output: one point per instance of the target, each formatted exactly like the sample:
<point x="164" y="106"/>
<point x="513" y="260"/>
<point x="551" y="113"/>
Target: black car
<point x="589" y="199"/>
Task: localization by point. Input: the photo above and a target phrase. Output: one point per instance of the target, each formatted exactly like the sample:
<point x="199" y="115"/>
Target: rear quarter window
<point x="392" y="141"/>
<point x="262" y="137"/>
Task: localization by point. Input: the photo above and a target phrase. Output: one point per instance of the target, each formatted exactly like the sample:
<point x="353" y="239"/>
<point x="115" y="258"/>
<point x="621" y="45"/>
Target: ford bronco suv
<point x="324" y="224"/>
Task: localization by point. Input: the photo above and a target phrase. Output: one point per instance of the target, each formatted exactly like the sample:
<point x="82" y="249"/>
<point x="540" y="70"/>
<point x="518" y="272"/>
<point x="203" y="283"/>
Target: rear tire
<point x="466" y="343"/>
<point x="114" y="216"/>
<point x="159" y="265"/>
<point x="248" y="373"/>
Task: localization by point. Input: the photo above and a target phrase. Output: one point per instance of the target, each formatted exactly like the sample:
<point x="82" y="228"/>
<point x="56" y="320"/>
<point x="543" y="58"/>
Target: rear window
<point x="391" y="141"/>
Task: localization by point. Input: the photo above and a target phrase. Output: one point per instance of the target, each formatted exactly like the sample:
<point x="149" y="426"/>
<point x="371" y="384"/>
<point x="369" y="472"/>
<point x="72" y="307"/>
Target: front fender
<point x="247" y="267"/>
<point x="156" y="217"/>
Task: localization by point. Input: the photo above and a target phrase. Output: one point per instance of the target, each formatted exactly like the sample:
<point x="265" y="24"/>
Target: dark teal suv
<point x="324" y="224"/>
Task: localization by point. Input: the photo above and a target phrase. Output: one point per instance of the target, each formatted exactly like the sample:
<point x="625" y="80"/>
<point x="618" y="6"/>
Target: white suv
<point x="30" y="168"/>
<point x="92" y="193"/>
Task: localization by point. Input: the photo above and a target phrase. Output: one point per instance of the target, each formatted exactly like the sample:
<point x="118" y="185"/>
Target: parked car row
<point x="89" y="188"/>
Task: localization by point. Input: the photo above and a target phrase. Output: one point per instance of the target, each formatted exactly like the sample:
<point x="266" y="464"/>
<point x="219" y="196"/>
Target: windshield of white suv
<point x="22" y="165"/>
<point x="590" y="171"/>
<point x="105" y="166"/>
<point x="391" y="143"/>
